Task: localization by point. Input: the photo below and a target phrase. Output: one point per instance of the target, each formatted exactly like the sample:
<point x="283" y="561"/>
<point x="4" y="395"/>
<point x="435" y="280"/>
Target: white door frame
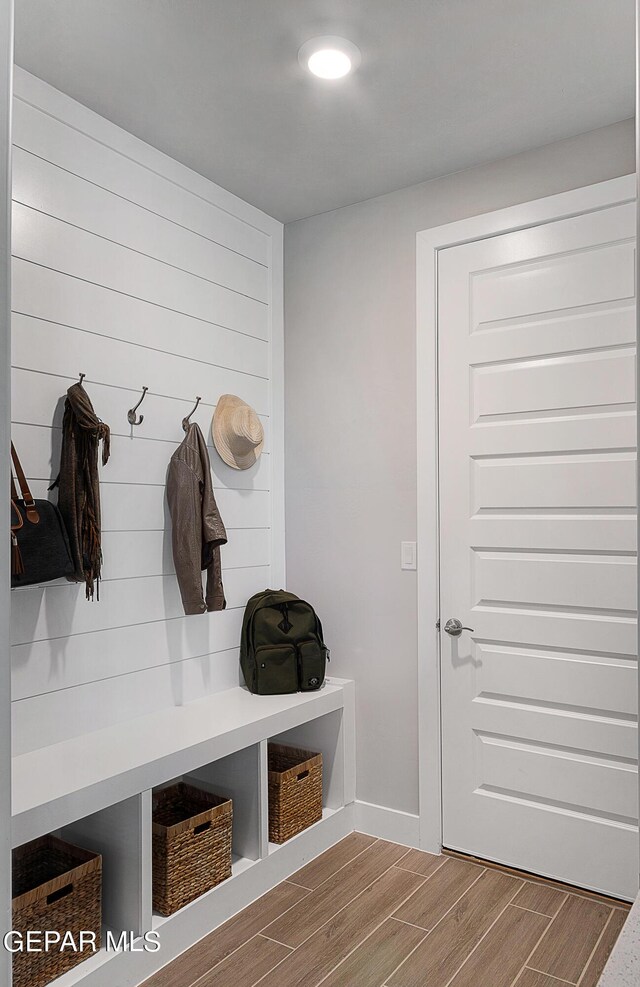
<point x="428" y="244"/>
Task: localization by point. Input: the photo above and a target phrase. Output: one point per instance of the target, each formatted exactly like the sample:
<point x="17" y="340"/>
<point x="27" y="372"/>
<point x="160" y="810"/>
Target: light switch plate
<point x="408" y="553"/>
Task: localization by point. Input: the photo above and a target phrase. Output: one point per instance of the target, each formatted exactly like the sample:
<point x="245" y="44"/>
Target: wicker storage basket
<point x="191" y="845"/>
<point x="56" y="887"/>
<point x="295" y="791"/>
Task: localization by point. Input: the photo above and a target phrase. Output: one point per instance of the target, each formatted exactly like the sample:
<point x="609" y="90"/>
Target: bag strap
<point x="29" y="502"/>
<point x="14" y="507"/>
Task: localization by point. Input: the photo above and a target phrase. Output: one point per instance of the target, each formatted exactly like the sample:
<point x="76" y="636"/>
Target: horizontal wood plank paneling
<point x="132" y="554"/>
<point x="143" y="507"/>
<point x="39" y="345"/>
<point x="133" y="460"/>
<point x="48" y="666"/>
<point x="52" y="190"/>
<point x="148" y="553"/>
<point x="52" y="243"/>
<point x="34" y="394"/>
<point x="68" y="301"/>
<point x="56" y="611"/>
<point x="107" y="167"/>
<point x="57" y="716"/>
<point x="133" y="270"/>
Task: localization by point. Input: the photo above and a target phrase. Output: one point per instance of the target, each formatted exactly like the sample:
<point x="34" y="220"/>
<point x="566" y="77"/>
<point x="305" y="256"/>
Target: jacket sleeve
<point x="185" y="507"/>
<point x="215" y="589"/>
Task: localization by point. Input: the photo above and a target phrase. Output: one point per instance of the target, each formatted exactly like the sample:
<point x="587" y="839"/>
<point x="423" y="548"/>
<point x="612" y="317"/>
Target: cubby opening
<point x="237" y="777"/>
<point x="323" y="735"/>
<point x="121" y="833"/>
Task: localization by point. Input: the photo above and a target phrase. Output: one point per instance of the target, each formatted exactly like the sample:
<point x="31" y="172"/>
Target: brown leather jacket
<point x="198" y="531"/>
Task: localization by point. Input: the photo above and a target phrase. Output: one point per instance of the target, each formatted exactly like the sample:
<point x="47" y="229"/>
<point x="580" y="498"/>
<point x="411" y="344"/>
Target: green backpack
<point x="282" y="648"/>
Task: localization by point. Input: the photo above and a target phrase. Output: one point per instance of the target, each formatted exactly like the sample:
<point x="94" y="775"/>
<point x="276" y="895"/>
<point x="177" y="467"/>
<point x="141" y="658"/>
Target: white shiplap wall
<point x="6" y="67"/>
<point x="136" y="271"/>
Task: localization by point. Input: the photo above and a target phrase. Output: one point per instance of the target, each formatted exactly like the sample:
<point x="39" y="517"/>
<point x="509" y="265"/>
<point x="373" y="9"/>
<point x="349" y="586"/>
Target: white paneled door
<point x="538" y="549"/>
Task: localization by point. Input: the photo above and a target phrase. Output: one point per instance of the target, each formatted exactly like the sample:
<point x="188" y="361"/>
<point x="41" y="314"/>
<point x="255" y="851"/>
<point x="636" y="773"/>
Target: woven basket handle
<point x="60" y="893"/>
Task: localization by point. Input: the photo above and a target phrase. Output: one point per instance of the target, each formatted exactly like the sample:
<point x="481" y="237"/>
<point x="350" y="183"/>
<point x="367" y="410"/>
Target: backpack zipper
<point x="298" y="664"/>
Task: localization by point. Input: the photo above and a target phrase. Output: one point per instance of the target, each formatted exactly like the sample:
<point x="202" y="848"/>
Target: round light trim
<point x="329" y="57"/>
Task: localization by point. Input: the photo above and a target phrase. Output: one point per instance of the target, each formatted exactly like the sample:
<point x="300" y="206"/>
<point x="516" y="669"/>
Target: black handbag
<point x="39" y="543"/>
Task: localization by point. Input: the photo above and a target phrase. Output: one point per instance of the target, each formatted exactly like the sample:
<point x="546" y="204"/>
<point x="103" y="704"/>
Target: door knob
<point x="454" y="627"/>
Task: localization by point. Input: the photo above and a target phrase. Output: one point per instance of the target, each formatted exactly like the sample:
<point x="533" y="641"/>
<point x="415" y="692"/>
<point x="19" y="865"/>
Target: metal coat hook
<point x="82" y="377"/>
<point x="131" y="413"/>
<point x="185" y="420"/>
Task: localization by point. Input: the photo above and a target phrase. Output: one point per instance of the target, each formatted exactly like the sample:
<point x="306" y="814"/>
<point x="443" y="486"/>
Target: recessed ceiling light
<point x="329" y="57"/>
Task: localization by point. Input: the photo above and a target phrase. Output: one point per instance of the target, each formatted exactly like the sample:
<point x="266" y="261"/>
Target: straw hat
<point x="237" y="432"/>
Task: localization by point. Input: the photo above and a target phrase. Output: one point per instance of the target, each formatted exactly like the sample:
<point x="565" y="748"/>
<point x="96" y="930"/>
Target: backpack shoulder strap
<point x="257" y="602"/>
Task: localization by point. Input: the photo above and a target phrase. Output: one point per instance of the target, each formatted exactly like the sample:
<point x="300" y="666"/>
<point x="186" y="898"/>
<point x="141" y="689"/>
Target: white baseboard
<point x="387" y="824"/>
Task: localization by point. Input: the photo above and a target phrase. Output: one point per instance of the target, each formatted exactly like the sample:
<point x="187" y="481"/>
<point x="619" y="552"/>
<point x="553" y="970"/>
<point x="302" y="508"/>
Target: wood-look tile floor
<point x="373" y="914"/>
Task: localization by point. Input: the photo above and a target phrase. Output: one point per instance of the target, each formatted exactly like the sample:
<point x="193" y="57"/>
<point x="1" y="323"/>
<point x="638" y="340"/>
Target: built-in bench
<point x="96" y="790"/>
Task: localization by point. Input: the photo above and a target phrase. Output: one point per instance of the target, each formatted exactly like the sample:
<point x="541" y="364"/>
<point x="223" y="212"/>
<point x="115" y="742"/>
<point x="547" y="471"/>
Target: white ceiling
<point x="443" y="85"/>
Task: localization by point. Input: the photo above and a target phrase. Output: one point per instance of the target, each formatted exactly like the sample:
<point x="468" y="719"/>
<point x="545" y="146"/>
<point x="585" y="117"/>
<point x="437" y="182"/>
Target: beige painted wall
<point x="350" y="425"/>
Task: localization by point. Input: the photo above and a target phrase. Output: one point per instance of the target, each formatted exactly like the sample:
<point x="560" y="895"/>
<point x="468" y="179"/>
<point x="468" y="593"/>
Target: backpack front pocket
<point x="276" y="669"/>
<point x="313" y="658"/>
